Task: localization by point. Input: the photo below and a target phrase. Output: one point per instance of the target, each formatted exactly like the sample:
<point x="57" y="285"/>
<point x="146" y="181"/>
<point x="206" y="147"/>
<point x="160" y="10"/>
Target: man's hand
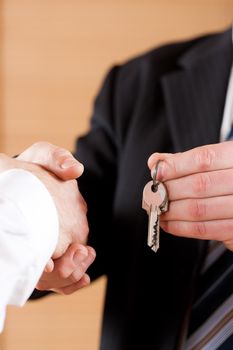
<point x="200" y="191"/>
<point x="69" y="202"/>
<point x="55" y="159"/>
<point x="66" y="273"/>
<point x="69" y="272"/>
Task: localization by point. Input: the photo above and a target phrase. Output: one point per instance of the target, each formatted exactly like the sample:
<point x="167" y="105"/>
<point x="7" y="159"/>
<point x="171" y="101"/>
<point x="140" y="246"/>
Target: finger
<point x="53" y="158"/>
<point x="202" y="209"/>
<point x="83" y="266"/>
<point x="83" y="282"/>
<point x="80" y="266"/>
<point x="207" y="184"/>
<point x="154" y="158"/>
<point x="49" y="266"/>
<point x="219" y="230"/>
<point x="77" y="268"/>
<point x="64" y="267"/>
<point x="73" y="257"/>
<point x="200" y="159"/>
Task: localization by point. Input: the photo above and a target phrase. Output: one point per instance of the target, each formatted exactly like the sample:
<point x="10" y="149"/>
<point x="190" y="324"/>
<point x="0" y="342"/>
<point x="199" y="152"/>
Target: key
<point x="155" y="202"/>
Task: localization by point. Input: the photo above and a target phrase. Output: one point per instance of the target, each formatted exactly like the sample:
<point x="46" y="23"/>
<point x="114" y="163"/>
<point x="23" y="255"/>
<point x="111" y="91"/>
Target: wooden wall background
<point x="54" y="54"/>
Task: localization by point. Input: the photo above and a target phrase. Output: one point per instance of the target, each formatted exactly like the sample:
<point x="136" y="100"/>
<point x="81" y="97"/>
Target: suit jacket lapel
<point x="195" y="92"/>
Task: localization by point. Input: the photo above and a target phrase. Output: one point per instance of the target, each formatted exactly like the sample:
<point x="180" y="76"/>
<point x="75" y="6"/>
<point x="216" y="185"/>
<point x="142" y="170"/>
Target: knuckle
<point x="203" y="158"/>
<point x="170" y="164"/>
<point x="83" y="204"/>
<point x="73" y="185"/>
<point x="84" y="232"/>
<point x="228" y="227"/>
<point x="92" y="252"/>
<point x="197" y="209"/>
<point x="58" y="291"/>
<point x="80" y="230"/>
<point x="68" y="291"/>
<point x="41" y="144"/>
<point x="153" y="159"/>
<point x="201" y="184"/>
<point x="39" y="152"/>
<point x="40" y="286"/>
<point x="86" y="279"/>
<point x="76" y="275"/>
<point x="84" y="227"/>
<point x="43" y="285"/>
<point x="200" y="229"/>
<point x="64" y="291"/>
<point x="57" y="152"/>
<point x="61" y="272"/>
<point x="85" y="208"/>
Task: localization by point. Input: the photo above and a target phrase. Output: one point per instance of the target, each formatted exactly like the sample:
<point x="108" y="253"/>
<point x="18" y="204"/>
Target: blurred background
<point x="54" y="55"/>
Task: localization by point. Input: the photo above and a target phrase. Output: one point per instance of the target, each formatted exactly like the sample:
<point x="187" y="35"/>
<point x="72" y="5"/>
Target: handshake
<point x="56" y="168"/>
<point x="199" y="184"/>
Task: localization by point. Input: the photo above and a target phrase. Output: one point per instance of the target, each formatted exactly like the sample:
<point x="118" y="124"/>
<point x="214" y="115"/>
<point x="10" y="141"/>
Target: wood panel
<point x="54" y="54"/>
<point x="57" y="322"/>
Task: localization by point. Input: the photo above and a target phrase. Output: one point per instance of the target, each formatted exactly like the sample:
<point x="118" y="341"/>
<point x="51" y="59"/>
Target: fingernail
<point x="92" y="251"/>
<point x="69" y="163"/>
<point x="159" y="174"/>
<point x="80" y="254"/>
<point x="160" y="170"/>
<point x="49" y="266"/>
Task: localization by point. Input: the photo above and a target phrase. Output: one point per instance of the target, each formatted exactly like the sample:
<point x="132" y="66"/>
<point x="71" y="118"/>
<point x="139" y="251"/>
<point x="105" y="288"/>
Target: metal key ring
<point x="154" y="177"/>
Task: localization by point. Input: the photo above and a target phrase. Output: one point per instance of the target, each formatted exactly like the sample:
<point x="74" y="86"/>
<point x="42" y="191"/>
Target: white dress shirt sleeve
<point x="28" y="235"/>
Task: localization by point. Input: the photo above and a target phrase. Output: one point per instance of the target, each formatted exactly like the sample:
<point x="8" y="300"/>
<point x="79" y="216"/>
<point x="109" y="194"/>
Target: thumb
<point x="55" y="159"/>
<point x="153" y="160"/>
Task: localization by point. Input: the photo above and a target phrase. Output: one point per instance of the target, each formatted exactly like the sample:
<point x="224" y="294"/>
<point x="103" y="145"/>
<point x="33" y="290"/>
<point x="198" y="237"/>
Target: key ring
<point x="154" y="187"/>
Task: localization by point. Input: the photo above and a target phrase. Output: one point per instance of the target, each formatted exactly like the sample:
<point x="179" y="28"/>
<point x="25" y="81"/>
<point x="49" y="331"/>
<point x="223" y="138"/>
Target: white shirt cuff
<point x="29" y="238"/>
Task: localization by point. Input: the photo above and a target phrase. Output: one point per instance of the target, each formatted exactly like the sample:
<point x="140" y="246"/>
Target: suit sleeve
<point x="98" y="151"/>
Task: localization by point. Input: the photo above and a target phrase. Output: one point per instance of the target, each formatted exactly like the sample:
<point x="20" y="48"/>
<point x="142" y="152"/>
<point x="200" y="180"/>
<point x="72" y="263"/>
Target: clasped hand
<point x="200" y="192"/>
<point x="58" y="170"/>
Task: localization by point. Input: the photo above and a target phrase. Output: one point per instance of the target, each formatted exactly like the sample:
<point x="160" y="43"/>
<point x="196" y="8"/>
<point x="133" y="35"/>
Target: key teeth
<point x="155" y="242"/>
<point x="154" y="207"/>
<point x="155" y="249"/>
<point x="155" y="228"/>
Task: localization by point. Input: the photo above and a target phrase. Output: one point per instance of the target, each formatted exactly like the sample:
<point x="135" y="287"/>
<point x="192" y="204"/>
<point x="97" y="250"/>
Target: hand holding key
<point x="200" y="189"/>
<point x="155" y="202"/>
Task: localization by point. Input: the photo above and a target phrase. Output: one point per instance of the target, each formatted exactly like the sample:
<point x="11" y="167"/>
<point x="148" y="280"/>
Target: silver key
<point x="155" y="202"/>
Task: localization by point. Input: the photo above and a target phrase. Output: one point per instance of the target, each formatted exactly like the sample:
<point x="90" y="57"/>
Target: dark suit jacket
<point x="167" y="100"/>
